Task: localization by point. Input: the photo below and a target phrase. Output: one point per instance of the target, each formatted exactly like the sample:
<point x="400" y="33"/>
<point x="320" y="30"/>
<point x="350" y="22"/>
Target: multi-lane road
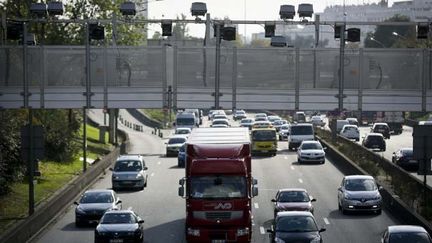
<point x="164" y="211"/>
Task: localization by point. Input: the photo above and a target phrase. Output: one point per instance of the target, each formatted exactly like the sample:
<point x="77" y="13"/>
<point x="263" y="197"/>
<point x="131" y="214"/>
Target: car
<point x="181" y="157"/>
<point x="298" y="133"/>
<point x="352" y="121"/>
<point x="278" y="123"/>
<point x="273" y="118"/>
<point x="183" y="130"/>
<point x="220" y="123"/>
<point x="284" y="131"/>
<point x="374" y="141"/>
<point x="220" y="116"/>
<point x="405" y="234"/>
<point x="404" y="158"/>
<point x="239" y="114"/>
<point x="382" y="128"/>
<point x="350" y="132"/>
<point x="359" y="193"/>
<point x="317" y="121"/>
<point x="210" y="114"/>
<point x="260" y="118"/>
<point x="130" y="171"/>
<point x="292" y="199"/>
<point x="247" y="122"/>
<point x="340" y="124"/>
<point x="262" y="124"/>
<point x="173" y="145"/>
<point x="93" y="204"/>
<point x="260" y="115"/>
<point x="310" y="151"/>
<point x="217" y="112"/>
<point x="119" y="226"/>
<point x="295" y="226"/>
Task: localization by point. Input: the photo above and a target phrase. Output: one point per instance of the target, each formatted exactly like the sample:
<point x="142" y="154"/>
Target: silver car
<point x="129" y="172"/>
<point x="359" y="193"/>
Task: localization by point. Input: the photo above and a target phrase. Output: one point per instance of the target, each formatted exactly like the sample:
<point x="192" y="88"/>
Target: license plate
<point x="218" y="241"/>
<point x="116" y="241"/>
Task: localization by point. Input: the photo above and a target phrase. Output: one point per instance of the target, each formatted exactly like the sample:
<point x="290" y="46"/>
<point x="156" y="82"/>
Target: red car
<point x="293" y="199"/>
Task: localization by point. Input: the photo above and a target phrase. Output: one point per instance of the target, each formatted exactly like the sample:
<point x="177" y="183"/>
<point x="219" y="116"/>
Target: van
<point x="299" y="116"/>
<point x="264" y="140"/>
<point x="298" y="133"/>
<point x="185" y="119"/>
<point x="198" y="115"/>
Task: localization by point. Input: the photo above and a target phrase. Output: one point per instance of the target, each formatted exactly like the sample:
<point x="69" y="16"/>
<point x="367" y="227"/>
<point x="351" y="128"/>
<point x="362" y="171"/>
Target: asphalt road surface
<point x="164" y="211"/>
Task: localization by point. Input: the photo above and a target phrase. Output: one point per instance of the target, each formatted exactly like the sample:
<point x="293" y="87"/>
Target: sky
<point x="235" y="10"/>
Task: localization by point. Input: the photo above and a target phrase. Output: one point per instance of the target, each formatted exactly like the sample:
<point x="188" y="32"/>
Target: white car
<point x="183" y="130"/>
<point x="310" y="151"/>
<point x="317" y="121"/>
<point x="284" y="131"/>
<point x="350" y="132"/>
<point x="174" y="143"/>
<point x="220" y="123"/>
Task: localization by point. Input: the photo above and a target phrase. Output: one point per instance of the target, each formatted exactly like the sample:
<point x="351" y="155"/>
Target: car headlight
<point x="316" y="240"/>
<point x="378" y="197"/>
<point x="79" y="211"/>
<point x="139" y="176"/>
<point x="115" y="177"/>
<point x="278" y="240"/>
<point x="193" y="232"/>
<point x="242" y="231"/>
<point x="347" y="197"/>
<point x="101" y="233"/>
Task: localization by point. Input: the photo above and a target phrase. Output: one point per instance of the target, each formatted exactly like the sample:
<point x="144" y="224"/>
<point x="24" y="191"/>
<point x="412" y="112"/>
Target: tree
<point x="180" y="30"/>
<point x="384" y="37"/>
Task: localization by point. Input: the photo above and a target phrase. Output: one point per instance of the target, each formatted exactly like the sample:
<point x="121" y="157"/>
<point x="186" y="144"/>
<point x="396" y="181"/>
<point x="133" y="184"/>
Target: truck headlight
<point x="242" y="231"/>
<point x="193" y="232"/>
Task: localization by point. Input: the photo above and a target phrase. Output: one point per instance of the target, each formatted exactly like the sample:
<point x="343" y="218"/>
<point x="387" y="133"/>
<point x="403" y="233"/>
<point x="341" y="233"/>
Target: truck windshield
<point x="264" y="135"/>
<point x="216" y="187"/>
<point x="301" y="130"/>
<point x="185" y="121"/>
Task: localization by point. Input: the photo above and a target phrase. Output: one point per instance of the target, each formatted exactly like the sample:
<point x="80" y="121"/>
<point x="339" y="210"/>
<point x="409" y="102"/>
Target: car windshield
<point x="284" y="127"/>
<point x="352" y="129"/>
<point x="301" y="130"/>
<point x="176" y="140"/>
<point x="381" y="127"/>
<point x="183" y="131"/>
<point x="118" y="218"/>
<point x="128" y="165"/>
<point x="220" y="122"/>
<point x="375" y="139"/>
<point x="360" y="185"/>
<point x="185" y="121"/>
<point x="218" y="187"/>
<point x="296" y="224"/>
<point x="240" y="112"/>
<point x="263" y="135"/>
<point x="407" y="152"/>
<point x="97" y="197"/>
<point x="246" y="121"/>
<point x="307" y="146"/>
<point x="293" y="196"/>
<point x="417" y="237"/>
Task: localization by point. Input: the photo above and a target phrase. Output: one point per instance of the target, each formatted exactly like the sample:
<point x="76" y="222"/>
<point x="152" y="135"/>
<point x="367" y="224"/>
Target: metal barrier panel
<point x="11" y="66"/>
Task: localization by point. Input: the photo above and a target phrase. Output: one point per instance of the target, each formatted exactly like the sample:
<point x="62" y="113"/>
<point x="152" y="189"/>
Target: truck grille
<point x="215" y="215"/>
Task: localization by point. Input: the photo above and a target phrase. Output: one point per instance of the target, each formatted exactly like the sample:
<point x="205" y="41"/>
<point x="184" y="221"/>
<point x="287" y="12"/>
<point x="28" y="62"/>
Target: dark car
<point x="93" y="204"/>
<point x="382" y="128"/>
<point x="405" y="234"/>
<point x="295" y="226"/>
<point x="292" y="199"/>
<point x="247" y="122"/>
<point x="181" y="157"/>
<point x="374" y="141"/>
<point x="119" y="226"/>
<point x="404" y="158"/>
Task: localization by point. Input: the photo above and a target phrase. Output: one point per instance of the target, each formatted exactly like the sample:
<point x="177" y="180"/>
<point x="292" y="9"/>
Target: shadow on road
<point x="168" y="232"/>
<point x="71" y="227"/>
<point x="336" y="214"/>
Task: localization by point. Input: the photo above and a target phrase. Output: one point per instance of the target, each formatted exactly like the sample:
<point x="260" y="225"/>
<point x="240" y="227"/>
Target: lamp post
<point x="377" y="41"/>
<point x="398" y="35"/>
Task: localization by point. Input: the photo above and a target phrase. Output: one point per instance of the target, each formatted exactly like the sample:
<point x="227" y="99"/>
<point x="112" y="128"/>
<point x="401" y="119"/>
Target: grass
<point x="158" y="115"/>
<point x="54" y="175"/>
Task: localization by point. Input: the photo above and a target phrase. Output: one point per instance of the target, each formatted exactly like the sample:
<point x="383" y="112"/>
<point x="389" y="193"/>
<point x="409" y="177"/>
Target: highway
<point x="164" y="211"/>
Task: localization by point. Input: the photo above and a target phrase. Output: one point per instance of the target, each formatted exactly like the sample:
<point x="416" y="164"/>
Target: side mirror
<point x="111" y="169"/>
<point x="254" y="182"/>
<point x="118" y="201"/>
<point x="76" y="203"/>
<point x="270" y="231"/>
<point x="325" y="148"/>
<point x="313" y="200"/>
<point x="273" y="200"/>
<point x="340" y="188"/>
<point x="145" y="168"/>
<point x="394" y="152"/>
<point x="254" y="191"/>
<point x="181" y="191"/>
<point x="182" y="182"/>
<point x="141" y="221"/>
<point x="174" y="123"/>
<point x="380" y="188"/>
<point x="322" y="230"/>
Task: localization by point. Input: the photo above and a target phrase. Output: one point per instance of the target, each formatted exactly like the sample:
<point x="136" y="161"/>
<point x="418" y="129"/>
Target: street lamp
<point x="398" y="35"/>
<point x="377" y="41"/>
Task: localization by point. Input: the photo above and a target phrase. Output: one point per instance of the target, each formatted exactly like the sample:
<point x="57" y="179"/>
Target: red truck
<point x="218" y="186"/>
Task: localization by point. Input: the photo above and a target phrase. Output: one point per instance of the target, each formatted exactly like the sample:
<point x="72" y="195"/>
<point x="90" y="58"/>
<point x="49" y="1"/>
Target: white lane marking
<point x="159" y="162"/>
<point x="262" y="231"/>
<point x="256" y="205"/>
<point x="326" y="221"/>
<point x="152" y="174"/>
<point x="285" y="157"/>
<point x="300" y="180"/>
<point x="292" y="167"/>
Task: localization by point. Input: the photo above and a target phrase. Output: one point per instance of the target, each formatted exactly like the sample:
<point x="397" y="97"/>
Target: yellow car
<point x="264" y="141"/>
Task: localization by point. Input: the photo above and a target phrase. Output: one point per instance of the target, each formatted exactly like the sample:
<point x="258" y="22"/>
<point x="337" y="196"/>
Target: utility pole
<point x="217" y="69"/>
